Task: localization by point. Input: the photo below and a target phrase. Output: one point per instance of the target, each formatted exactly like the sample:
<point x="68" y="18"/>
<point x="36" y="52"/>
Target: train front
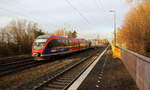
<point x="38" y="47"/>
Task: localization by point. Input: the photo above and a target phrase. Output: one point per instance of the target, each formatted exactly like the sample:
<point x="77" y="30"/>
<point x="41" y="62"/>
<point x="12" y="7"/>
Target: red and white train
<point x="45" y="46"/>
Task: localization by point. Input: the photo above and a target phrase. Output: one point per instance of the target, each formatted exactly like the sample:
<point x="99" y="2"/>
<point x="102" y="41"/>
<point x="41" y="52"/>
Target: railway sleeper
<point x="63" y="81"/>
<point x="55" y="86"/>
<point x="60" y="83"/>
<point x="66" y="79"/>
<point x="47" y="88"/>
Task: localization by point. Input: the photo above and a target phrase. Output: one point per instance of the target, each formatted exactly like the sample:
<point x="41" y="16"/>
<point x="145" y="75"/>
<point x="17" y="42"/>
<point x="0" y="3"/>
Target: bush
<point x="135" y="32"/>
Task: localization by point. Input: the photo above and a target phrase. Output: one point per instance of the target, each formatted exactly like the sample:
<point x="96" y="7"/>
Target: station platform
<point x="107" y="74"/>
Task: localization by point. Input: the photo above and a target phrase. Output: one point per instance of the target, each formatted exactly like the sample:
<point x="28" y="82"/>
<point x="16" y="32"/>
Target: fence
<point x="137" y="65"/>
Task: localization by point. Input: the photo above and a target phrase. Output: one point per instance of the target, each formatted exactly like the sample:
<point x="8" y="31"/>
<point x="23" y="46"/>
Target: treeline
<point x="135" y="32"/>
<point x="17" y="37"/>
<point x="65" y="33"/>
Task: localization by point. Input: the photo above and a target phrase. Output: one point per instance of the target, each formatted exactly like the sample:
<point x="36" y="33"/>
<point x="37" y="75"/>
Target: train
<point x="45" y="46"/>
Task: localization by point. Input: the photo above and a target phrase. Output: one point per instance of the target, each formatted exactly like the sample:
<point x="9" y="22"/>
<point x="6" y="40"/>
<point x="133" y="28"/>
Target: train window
<point x="70" y="42"/>
<point x="49" y="45"/>
<point x="63" y="42"/>
<point x="54" y="43"/>
<point x="66" y="42"/>
<point x="57" y="42"/>
<point x="39" y="43"/>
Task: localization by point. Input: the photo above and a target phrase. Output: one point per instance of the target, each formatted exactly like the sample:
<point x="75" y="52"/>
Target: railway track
<point x="14" y="59"/>
<point x="13" y="67"/>
<point x="18" y="64"/>
<point x="61" y="78"/>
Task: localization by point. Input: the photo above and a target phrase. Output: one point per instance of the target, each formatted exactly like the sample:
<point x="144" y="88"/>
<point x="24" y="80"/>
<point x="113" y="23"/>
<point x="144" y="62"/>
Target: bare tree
<point x="17" y="37"/>
<point x="22" y="32"/>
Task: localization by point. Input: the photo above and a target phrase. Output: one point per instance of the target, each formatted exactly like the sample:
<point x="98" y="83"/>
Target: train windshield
<point x="39" y="43"/>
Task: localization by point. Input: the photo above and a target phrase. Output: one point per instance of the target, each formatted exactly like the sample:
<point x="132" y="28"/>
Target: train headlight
<point x="36" y="54"/>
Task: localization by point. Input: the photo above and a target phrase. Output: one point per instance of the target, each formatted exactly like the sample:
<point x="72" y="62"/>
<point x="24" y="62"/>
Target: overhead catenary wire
<point x="84" y="18"/>
<point x="100" y="5"/>
<point x="100" y="2"/>
<point x="27" y="14"/>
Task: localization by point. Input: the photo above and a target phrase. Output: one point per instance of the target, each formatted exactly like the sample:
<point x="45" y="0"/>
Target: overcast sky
<point x="86" y="16"/>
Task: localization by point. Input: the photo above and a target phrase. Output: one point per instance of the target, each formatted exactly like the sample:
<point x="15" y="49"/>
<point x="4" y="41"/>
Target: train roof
<point x="43" y="36"/>
<point x="48" y="36"/>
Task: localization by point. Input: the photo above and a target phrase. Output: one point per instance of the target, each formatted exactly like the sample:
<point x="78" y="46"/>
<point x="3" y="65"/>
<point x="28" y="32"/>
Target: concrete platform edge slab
<point x="78" y="82"/>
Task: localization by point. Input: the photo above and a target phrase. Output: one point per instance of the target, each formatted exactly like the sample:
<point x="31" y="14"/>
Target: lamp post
<point x="114" y="16"/>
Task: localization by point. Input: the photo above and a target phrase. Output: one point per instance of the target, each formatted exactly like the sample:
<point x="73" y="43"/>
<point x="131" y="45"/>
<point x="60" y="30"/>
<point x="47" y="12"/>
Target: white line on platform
<point x="77" y="83"/>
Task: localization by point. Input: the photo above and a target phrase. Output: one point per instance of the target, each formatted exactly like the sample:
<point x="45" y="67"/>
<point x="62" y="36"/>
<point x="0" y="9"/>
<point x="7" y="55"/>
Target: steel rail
<point x="64" y="79"/>
<point x="17" y="66"/>
<point x="50" y="77"/>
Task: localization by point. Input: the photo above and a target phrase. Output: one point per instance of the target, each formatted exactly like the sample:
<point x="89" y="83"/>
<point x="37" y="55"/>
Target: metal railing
<point x="137" y="65"/>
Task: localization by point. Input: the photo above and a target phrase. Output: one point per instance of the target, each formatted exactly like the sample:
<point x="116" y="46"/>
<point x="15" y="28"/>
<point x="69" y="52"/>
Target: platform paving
<point x="108" y="74"/>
